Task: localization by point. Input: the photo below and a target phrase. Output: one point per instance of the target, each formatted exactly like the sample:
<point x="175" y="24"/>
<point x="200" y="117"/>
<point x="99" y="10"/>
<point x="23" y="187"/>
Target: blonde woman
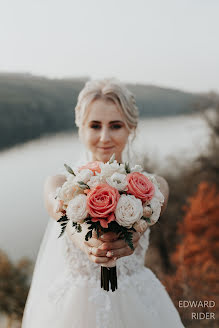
<point x="65" y="290"/>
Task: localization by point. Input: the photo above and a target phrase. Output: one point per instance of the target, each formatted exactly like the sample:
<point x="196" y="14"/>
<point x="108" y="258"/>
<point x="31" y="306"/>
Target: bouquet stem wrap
<point x="109" y="277"/>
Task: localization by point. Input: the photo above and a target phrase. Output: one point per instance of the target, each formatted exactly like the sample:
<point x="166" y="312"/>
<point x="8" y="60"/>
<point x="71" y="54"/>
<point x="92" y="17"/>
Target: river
<point x="25" y="167"/>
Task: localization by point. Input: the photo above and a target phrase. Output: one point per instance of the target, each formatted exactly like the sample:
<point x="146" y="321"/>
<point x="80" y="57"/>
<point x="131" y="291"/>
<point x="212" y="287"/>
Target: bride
<point x="65" y="290"/>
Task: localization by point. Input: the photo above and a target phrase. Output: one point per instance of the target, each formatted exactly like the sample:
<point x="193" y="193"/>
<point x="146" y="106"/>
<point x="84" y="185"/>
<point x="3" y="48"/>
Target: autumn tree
<point x="14" y="286"/>
<point x="196" y="257"/>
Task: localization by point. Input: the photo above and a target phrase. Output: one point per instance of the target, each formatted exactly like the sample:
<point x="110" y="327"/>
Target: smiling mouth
<point x="106" y="148"/>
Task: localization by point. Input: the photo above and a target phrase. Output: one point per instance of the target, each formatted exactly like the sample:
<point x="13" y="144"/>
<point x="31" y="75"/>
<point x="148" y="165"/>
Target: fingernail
<point x="114" y="258"/>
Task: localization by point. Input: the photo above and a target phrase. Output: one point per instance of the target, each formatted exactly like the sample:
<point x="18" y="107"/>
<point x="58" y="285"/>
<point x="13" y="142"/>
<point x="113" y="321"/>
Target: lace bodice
<point x="82" y="268"/>
<point x="80" y="273"/>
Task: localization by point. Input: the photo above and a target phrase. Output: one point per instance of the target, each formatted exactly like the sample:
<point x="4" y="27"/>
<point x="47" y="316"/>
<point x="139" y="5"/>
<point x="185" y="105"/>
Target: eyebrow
<point x="111" y="122"/>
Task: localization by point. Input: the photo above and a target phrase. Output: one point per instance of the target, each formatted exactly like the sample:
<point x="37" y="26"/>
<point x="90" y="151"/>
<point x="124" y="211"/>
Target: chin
<point x="105" y="157"/>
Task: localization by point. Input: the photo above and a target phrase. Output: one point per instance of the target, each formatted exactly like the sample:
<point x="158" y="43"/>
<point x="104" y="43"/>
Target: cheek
<point x="121" y="138"/>
<point x="89" y="137"/>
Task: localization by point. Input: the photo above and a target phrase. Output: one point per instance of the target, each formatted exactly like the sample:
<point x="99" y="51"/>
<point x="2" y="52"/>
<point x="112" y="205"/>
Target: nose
<point x="105" y="135"/>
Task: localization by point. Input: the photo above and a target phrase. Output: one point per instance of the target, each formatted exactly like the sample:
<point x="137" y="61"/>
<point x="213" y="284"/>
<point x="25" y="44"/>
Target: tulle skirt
<point x="59" y="300"/>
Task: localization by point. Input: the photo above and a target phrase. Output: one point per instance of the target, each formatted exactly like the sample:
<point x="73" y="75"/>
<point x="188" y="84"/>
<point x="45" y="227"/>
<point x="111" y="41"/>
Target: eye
<point x="116" y="126"/>
<point x="95" y="126"/>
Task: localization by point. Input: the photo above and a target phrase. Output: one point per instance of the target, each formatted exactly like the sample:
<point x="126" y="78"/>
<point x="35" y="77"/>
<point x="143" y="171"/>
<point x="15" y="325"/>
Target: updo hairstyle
<point x="107" y="89"/>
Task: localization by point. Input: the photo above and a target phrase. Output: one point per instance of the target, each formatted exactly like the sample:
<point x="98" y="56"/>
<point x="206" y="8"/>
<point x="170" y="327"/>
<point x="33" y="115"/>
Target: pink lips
<point x="105" y="148"/>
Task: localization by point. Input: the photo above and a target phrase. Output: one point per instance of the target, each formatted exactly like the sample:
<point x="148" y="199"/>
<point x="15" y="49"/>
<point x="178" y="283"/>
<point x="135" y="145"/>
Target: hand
<point x="118" y="247"/>
<point x="94" y="251"/>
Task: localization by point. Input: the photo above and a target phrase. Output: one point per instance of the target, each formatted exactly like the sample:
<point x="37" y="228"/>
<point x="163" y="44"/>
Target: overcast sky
<point x="170" y="43"/>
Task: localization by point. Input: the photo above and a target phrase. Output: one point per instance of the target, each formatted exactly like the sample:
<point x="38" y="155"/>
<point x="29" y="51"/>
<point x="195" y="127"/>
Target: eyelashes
<point x="116" y="126"/>
<point x="112" y="127"/>
<point x="95" y="126"/>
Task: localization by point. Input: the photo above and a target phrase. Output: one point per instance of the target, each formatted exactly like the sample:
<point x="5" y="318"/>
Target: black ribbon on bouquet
<point x="109" y="278"/>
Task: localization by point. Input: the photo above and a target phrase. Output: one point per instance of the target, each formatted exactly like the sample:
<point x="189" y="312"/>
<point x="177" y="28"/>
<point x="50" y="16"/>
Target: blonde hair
<point x="108" y="89"/>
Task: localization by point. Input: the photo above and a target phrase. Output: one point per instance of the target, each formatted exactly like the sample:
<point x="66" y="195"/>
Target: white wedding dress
<point x="66" y="292"/>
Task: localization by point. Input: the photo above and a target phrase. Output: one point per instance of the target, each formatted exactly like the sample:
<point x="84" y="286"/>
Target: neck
<point x="119" y="159"/>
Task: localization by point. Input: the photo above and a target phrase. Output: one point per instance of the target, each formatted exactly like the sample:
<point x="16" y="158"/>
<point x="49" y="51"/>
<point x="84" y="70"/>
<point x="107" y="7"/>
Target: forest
<point x="31" y="106"/>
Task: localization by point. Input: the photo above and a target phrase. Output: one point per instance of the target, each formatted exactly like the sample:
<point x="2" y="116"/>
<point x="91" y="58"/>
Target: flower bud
<point x="147" y="211"/>
<point x="140" y="226"/>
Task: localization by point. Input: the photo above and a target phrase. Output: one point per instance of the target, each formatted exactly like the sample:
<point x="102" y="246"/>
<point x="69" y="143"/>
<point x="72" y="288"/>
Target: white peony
<point x="108" y="169"/>
<point x="137" y="168"/>
<point x="156" y="208"/>
<point x="71" y="179"/>
<point x="129" y="210"/>
<point x="66" y="192"/>
<point x="118" y="181"/>
<point x="94" y="181"/>
<point x="84" y="175"/>
<point x="76" y="210"/>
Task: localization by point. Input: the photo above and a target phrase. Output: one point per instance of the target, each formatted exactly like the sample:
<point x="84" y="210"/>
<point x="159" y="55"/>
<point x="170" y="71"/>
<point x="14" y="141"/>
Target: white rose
<point x="118" y="181"/>
<point x="140" y="226"/>
<point x="108" y="169"/>
<point x="84" y="175"/>
<point x="129" y="210"/>
<point x="156" y="208"/>
<point x="66" y="192"/>
<point x="137" y="168"/>
<point x="76" y="210"/>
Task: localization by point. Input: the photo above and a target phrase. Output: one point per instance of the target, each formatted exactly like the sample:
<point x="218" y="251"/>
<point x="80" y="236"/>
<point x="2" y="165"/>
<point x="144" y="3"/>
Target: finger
<point x="113" y="245"/>
<point x="92" y="242"/>
<point x="119" y="243"/>
<point x="120" y="252"/>
<point x="108" y="236"/>
<point x="96" y="251"/>
<point x="94" y="234"/>
<point x="98" y="259"/>
<point x="136" y="236"/>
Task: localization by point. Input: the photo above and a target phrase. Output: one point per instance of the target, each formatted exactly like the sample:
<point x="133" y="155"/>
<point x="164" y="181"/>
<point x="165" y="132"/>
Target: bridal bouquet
<point x="109" y="197"/>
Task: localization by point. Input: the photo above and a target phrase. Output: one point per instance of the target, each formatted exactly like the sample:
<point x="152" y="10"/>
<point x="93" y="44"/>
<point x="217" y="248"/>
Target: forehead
<point x="103" y="111"/>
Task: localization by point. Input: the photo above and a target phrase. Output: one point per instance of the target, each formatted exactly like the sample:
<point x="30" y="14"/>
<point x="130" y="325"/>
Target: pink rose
<point x="140" y="186"/>
<point x="101" y="204"/>
<point x="93" y="166"/>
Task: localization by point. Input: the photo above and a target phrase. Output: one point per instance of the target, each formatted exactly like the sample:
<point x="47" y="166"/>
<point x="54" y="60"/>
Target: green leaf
<point x="83" y="185"/>
<point x="112" y="158"/>
<point x="127" y="167"/>
<point x="88" y="235"/>
<point x="63" y="230"/>
<point x="63" y="218"/>
<point x="147" y="220"/>
<point x="69" y="169"/>
<point x="77" y="226"/>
